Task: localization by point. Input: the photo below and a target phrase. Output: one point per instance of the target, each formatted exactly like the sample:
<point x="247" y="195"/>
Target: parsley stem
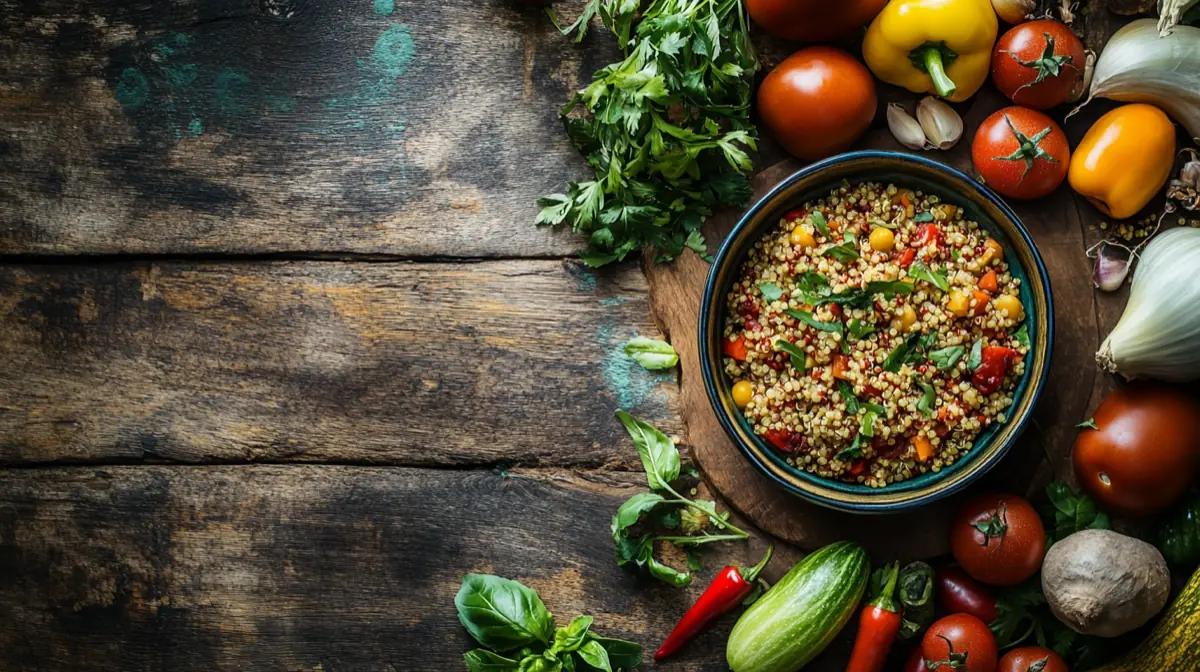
<point x="706" y="539"/>
<point x="717" y="520"/>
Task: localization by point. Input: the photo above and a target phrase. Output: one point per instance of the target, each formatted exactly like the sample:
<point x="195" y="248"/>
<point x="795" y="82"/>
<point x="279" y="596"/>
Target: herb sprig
<point x="666" y="130"/>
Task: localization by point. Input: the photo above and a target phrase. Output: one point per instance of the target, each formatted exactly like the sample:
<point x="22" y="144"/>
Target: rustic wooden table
<point x="285" y="356"/>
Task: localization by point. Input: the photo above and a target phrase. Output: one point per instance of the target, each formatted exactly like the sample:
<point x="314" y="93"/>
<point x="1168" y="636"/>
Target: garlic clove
<point x="904" y="127"/>
<point x="1015" y="11"/>
<point x="941" y="124"/>
<point x="1112" y="266"/>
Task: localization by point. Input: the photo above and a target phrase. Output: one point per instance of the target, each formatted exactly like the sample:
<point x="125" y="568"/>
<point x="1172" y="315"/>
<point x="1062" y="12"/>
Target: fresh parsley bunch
<point x="642" y="517"/>
<point x="518" y="631"/>
<point x="665" y="130"/>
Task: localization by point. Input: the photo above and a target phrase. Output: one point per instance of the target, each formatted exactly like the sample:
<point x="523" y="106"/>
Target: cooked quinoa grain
<point x="873" y="334"/>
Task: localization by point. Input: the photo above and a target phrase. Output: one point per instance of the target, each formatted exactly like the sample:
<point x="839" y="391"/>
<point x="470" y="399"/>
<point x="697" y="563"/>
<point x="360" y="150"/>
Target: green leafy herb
<point x="634" y="507"/>
<point x="651" y="353"/>
<point x="928" y="398"/>
<point x="847" y="393"/>
<point x="807" y="318"/>
<point x="1071" y="513"/>
<point x="666" y="130"/>
<point x="502" y="614"/>
<point x="813" y="286"/>
<point x="796" y="355"/>
<point x="770" y="291"/>
<point x="505" y="615"/>
<point x="845" y="251"/>
<point x="859" y="330"/>
<point x="819" y="221"/>
<point x="1090" y="423"/>
<point x="1022" y="335"/>
<point x="923" y="217"/>
<point x="954" y="254"/>
<point x="658" y="453"/>
<point x="851" y="452"/>
<point x="946" y="358"/>
<point x="815" y="290"/>
<point x="975" y="359"/>
<point x="919" y="271"/>
<point x="899" y="355"/>
<point x="866" y="425"/>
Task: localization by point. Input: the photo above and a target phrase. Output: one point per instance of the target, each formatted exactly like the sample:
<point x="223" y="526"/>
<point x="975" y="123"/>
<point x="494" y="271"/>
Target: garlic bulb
<point x="1170" y="12"/>
<point x="904" y="128"/>
<point x="942" y="125"/>
<point x="1139" y="66"/>
<point x="1158" y="336"/>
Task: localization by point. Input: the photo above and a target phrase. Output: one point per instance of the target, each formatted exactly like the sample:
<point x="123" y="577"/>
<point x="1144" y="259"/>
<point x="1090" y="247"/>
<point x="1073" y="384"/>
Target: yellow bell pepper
<point x="1124" y="159"/>
<point x="933" y="46"/>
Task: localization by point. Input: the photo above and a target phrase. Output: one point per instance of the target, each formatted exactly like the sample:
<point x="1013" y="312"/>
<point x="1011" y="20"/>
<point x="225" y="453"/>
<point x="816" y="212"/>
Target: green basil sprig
<point x="651" y="353"/>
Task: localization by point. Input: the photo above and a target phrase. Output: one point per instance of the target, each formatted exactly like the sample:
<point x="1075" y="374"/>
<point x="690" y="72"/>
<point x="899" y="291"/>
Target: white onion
<point x="1158" y="335"/>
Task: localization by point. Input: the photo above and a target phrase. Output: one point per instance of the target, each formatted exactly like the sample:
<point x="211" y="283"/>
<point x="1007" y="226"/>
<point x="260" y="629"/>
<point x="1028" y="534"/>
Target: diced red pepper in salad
<point x="907" y="257"/>
<point x="994" y="366"/>
<point x="927" y="234"/>
<point x="735" y="348"/>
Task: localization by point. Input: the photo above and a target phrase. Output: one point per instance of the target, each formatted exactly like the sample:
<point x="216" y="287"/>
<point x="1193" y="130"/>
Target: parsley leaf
<point x="807" y="318"/>
<point x="796" y="355"/>
<point x="770" y="291"/>
<point x="946" y="358"/>
<point x="919" y="271"/>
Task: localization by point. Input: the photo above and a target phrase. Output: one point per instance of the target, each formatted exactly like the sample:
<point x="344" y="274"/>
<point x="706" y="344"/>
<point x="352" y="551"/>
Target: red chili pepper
<point x="878" y="626"/>
<point x="994" y="364"/>
<point x="728" y="589"/>
<point x="735" y="348"/>
<point x="907" y="257"/>
<point x="960" y="594"/>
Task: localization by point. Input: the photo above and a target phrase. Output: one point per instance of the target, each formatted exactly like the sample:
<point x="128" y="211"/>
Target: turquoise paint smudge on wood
<point x="615" y="301"/>
<point x="132" y="89"/>
<point x="232" y="92"/>
<point x="394" y="50"/>
<point x="196" y="128"/>
<point x="385" y="7"/>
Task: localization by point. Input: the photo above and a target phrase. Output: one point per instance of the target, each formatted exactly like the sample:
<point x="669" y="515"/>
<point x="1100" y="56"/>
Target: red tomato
<point x="926" y="234"/>
<point x="1037" y="64"/>
<point x="915" y="661"/>
<point x="960" y="642"/>
<point x="998" y="539"/>
<point x="995" y="361"/>
<point x="1032" y="659"/>
<point x="1145" y="451"/>
<point x="817" y="102"/>
<point x="735" y="348"/>
<point x="1021" y="153"/>
<point x="813" y="20"/>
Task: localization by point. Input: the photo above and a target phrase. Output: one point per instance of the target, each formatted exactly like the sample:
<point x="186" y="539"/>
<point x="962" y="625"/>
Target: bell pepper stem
<point x="931" y="56"/>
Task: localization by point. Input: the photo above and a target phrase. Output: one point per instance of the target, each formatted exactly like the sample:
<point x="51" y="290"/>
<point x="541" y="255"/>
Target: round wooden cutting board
<point x="1062" y="225"/>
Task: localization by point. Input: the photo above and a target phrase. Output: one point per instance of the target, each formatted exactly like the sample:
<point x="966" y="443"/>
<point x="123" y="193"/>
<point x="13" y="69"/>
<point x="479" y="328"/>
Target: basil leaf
<point x="807" y="318"/>
<point x="568" y="663"/>
<point x="899" y="355"/>
<point x="571" y="637"/>
<point x="622" y="655"/>
<point x="502" y="614"/>
<point x="845" y="251"/>
<point x="866" y="426"/>
<point x="770" y="291"/>
<point x="659" y="456"/>
<point x="927" y="400"/>
<point x="888" y="288"/>
<point x="975" y="359"/>
<point x="796" y="355"/>
<point x="593" y="653"/>
<point x="919" y="271"/>
<point x="629" y="551"/>
<point x="664" y="573"/>
<point x="859" y="329"/>
<point x="851" y="452"/>
<point x="923" y="217"/>
<point x="537" y="663"/>
<point x="651" y="353"/>
<point x="1022" y="335"/>
<point x="874" y="408"/>
<point x="482" y="660"/>
<point x="946" y="358"/>
<point x="847" y="393"/>
<point x="813" y="286"/>
<point x="954" y="254"/>
<point x="633" y="508"/>
<point x="819" y="221"/>
<point x="1090" y="423"/>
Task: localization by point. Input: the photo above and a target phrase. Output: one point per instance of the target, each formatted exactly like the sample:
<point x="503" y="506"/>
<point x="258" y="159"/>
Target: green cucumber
<point x="798" y="617"/>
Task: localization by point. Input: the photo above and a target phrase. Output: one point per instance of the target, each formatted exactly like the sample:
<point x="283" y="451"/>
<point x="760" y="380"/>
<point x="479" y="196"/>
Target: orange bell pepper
<point x="1124" y="159"/>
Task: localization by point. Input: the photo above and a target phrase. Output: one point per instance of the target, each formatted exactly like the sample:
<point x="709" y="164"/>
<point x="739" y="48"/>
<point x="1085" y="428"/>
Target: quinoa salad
<point x="873" y="334"/>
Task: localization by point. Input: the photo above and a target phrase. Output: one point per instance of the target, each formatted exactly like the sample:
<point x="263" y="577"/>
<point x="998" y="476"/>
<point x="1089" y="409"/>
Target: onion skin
<point x="1144" y="454"/>
<point x="1014" y="11"/>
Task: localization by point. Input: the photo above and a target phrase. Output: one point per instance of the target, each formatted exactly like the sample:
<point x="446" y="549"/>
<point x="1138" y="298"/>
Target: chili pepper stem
<point x="931" y="56"/>
<point x="751" y="575"/>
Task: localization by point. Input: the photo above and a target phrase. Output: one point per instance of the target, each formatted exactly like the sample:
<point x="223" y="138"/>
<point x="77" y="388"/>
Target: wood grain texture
<point x="338" y="569"/>
<point x="517" y="362"/>
<point x="1063" y="227"/>
<point x="372" y="126"/>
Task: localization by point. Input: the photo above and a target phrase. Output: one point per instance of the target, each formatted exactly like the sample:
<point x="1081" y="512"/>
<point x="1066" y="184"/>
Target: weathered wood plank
<point x="515" y="362"/>
<point x="387" y="126"/>
<point x="339" y="569"/>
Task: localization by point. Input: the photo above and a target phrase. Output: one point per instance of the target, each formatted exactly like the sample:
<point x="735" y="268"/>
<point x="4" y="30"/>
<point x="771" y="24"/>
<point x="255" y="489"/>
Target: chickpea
<point x="959" y="304"/>
<point x="743" y="391"/>
<point x="882" y="240"/>
<point x="802" y="237"/>
<point x="1011" y="305"/>
<point x="907" y="318"/>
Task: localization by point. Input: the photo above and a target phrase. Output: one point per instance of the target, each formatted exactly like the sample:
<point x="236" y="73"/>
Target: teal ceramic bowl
<point x="981" y="205"/>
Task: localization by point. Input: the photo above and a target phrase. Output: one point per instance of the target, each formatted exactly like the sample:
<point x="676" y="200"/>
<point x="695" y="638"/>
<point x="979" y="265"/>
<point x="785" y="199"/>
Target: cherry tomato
<point x="1037" y="64"/>
<point x="1145" y="451"/>
<point x="959" y="642"/>
<point x="735" y="348"/>
<point x="995" y="361"/>
<point x="926" y="234"/>
<point x="998" y="539"/>
<point x="1021" y="153"/>
<point x="960" y="594"/>
<point x="915" y="661"/>
<point x="817" y="102"/>
<point x="813" y="20"/>
<point x="1032" y="659"/>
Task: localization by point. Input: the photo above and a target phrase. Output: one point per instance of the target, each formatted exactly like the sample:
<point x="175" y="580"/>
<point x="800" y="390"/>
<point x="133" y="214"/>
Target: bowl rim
<point x="722" y="257"/>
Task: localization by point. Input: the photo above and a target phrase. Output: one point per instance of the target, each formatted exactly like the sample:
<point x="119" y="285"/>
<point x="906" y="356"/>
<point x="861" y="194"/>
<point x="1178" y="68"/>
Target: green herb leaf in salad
<point x="845" y="251"/>
<point x="795" y="354"/>
<point x="975" y="359"/>
<point x="818" y="219"/>
<point x="919" y="271"/>
<point x="807" y="318"/>
<point x="945" y="358"/>
<point x="928" y="397"/>
<point x="770" y="291"/>
<point x="923" y="217"/>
